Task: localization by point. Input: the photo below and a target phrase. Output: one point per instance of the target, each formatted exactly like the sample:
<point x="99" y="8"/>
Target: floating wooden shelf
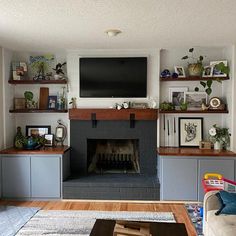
<point x="175" y="151"/>
<point x="63" y="81"/>
<point x="113" y="114"/>
<point x="193" y="78"/>
<point x="194" y="111"/>
<point x="37" y="111"/>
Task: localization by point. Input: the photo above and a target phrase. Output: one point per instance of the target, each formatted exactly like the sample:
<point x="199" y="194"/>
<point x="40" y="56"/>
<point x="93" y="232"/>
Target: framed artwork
<point x="190" y="131"/>
<point x="19" y="103"/>
<point x="195" y="100"/>
<point x="37" y="130"/>
<point x="177" y="95"/>
<point x="207" y="71"/>
<point x="180" y="71"/>
<point x="50" y="140"/>
<point x="52" y="102"/>
<point x="217" y="73"/>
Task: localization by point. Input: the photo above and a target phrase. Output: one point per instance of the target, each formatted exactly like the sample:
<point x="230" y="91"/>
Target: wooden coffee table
<point x="106" y="228"/>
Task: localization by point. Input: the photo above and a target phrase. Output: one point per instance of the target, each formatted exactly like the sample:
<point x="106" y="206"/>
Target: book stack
<point x="19" y="70"/>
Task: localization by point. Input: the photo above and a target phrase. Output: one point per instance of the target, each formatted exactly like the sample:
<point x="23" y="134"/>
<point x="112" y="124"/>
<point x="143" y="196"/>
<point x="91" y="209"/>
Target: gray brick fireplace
<point x="127" y="174"/>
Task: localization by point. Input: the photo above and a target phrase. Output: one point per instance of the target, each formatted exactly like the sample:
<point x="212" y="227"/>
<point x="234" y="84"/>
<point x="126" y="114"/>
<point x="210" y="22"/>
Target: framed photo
<point x="195" y="100"/>
<point x="177" y="95"/>
<point x="19" y="103"/>
<point x="207" y="71"/>
<point x="217" y="73"/>
<point x="190" y="131"/>
<point x="37" y="130"/>
<point x="52" y="102"/>
<point x="180" y="71"/>
<point x="50" y="140"/>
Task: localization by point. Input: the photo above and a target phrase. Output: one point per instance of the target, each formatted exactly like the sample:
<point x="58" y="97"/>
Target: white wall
<point x="73" y="74"/>
<point x="1" y="101"/>
<point x="8" y="93"/>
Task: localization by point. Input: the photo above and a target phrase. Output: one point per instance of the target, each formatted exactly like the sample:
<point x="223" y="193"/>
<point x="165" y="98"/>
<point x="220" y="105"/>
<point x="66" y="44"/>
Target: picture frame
<point x="37" y="130"/>
<point x="190" y="131"/>
<point x="52" y="102"/>
<point x="19" y="103"/>
<point x="50" y="140"/>
<point x="180" y="71"/>
<point x="207" y="71"/>
<point x="215" y="72"/>
<point x="177" y="95"/>
<point x="195" y="100"/>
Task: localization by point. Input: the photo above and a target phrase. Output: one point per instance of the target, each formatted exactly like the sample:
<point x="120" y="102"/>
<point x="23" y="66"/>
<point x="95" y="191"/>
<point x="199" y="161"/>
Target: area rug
<point x="12" y="218"/>
<point x="73" y="222"/>
<point x="194" y="212"/>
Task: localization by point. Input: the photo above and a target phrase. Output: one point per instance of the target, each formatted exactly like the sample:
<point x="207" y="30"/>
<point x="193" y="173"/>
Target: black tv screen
<point x="113" y="77"/>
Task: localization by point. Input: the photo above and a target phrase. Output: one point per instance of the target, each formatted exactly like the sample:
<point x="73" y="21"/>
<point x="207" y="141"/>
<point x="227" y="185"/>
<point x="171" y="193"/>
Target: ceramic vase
<point x="217" y="145"/>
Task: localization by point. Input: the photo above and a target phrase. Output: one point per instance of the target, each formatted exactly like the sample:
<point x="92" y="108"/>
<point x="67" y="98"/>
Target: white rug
<point x="68" y="223"/>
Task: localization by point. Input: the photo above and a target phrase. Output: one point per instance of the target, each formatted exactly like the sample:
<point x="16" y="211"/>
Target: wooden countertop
<point x="175" y="151"/>
<point x="43" y="150"/>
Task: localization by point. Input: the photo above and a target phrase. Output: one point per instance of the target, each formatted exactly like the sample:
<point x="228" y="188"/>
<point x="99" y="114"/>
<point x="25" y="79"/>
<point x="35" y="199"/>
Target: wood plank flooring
<point x="177" y="208"/>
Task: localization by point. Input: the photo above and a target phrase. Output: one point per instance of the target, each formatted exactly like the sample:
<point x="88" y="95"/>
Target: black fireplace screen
<point x="113" y="156"/>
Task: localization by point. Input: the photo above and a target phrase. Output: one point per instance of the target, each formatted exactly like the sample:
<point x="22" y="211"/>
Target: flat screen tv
<point x="113" y="77"/>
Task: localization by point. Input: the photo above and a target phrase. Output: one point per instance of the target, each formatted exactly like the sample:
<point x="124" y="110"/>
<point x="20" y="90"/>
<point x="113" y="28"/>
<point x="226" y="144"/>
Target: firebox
<point x="113" y="156"/>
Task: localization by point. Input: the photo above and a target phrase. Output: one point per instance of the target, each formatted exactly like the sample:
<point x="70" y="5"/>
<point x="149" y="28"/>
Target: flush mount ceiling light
<point x="112" y="32"/>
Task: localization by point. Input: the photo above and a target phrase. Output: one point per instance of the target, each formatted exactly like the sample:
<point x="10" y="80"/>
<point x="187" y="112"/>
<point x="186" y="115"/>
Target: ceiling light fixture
<point x="112" y="32"/>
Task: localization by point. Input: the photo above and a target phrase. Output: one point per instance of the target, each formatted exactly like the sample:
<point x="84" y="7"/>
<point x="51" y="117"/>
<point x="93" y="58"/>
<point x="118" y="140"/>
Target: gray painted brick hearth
<point x="143" y="186"/>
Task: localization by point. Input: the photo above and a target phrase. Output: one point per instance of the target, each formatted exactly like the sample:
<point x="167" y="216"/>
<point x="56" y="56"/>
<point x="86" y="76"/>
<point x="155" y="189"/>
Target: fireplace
<point x="113" y="156"/>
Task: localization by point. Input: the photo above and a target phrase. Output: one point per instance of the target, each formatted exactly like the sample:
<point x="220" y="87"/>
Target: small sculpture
<point x="59" y="71"/>
<point x="73" y="102"/>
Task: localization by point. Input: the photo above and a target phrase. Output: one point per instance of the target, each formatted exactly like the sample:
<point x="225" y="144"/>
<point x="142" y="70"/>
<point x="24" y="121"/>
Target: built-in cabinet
<point x="33" y="176"/>
<point x="181" y="176"/>
<point x="16" y="176"/>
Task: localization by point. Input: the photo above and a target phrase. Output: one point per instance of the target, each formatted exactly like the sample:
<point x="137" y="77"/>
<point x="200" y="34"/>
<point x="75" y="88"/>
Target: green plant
<point x="183" y="106"/>
<point x="193" y="58"/>
<point x="167" y="106"/>
<point x="28" y="95"/>
<point x="222" y="135"/>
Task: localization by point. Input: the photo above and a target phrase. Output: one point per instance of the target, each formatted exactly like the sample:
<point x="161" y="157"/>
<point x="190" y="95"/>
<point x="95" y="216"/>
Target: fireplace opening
<point x="113" y="156"/>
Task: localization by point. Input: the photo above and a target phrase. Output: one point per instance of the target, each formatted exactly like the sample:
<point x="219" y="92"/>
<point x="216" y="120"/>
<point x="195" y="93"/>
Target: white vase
<point x="217" y="145"/>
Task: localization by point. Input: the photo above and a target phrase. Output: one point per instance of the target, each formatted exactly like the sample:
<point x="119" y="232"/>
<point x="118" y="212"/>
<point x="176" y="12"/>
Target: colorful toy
<point x="214" y="181"/>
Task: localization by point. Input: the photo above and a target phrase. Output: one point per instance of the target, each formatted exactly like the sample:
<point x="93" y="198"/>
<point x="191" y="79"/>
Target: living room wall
<point x="1" y="101"/>
<point x="72" y="58"/>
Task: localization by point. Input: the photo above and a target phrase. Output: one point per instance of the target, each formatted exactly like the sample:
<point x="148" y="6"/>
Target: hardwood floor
<point x="177" y="208"/>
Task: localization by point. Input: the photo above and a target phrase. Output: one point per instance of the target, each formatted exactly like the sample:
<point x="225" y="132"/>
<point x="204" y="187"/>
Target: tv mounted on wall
<point x="113" y="77"/>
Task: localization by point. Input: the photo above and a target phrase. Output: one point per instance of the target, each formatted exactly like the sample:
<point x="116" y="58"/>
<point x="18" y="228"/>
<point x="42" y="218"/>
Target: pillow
<point x="228" y="203"/>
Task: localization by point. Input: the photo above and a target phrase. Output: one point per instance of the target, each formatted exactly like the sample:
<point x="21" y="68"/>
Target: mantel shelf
<point x="194" y="111"/>
<point x="37" y="111"/>
<point x="28" y="81"/>
<point x="193" y="78"/>
<point x="112" y="114"/>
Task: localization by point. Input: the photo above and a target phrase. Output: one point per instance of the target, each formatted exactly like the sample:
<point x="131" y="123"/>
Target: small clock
<point x="215" y="102"/>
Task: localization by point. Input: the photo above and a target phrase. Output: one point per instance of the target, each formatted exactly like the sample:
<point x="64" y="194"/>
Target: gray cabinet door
<point x="178" y="179"/>
<point x="224" y="167"/>
<point x="16" y="177"/>
<point x="45" y="177"/>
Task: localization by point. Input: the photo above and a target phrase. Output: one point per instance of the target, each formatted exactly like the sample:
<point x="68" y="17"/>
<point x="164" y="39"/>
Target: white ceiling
<point x="80" y="24"/>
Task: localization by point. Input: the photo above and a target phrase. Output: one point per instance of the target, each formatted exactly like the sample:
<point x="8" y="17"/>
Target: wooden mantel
<point x="112" y="114"/>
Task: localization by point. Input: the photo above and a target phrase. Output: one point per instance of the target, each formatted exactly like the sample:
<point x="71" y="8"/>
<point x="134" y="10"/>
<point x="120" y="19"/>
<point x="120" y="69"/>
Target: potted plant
<point x="195" y="67"/>
<point x="220" y="137"/>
